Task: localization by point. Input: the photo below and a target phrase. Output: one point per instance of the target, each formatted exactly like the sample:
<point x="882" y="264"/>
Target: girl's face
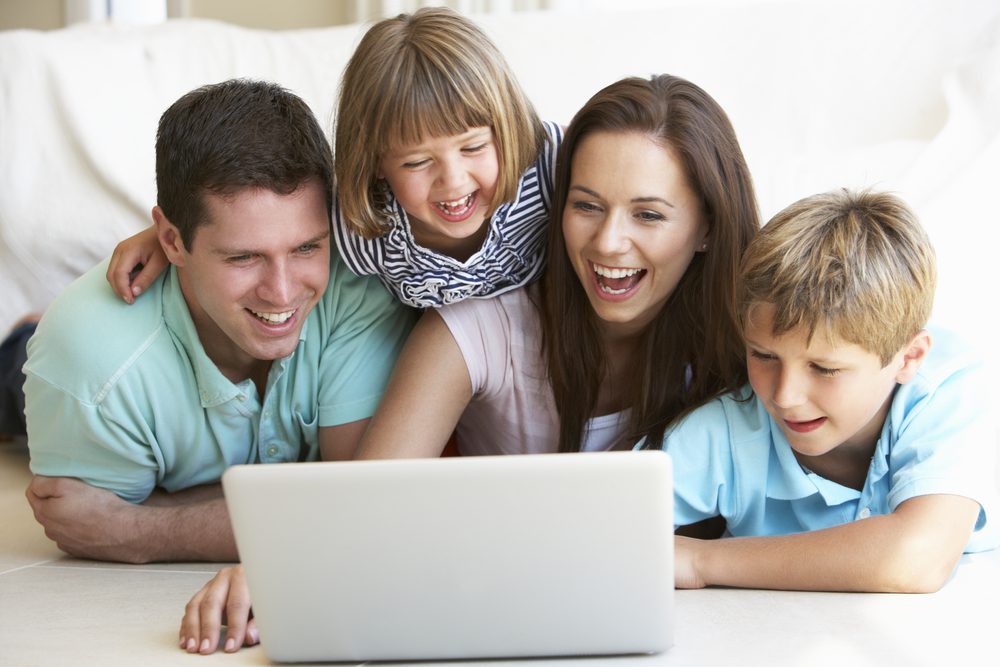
<point x="445" y="185"/>
<point x="631" y="226"/>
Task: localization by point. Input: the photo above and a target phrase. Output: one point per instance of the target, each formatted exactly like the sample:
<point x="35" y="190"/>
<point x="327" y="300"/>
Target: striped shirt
<point x="511" y="255"/>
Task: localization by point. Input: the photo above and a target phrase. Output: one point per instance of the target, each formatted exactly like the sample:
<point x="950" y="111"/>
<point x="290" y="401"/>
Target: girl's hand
<point x="686" y="552"/>
<point x="135" y="264"/>
<point x="224" y="599"/>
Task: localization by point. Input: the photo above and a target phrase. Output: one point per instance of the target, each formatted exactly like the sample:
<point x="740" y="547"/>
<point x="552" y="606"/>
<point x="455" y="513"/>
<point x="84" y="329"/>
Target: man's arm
<point x="89" y="522"/>
<point x="912" y="550"/>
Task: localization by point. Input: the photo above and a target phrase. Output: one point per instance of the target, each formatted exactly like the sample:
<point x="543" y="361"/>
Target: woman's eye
<point x="650" y="216"/>
<point x="585" y="206"/>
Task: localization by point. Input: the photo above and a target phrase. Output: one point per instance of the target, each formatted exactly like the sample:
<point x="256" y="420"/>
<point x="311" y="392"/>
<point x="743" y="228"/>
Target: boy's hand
<point x="135" y="264"/>
<point x="686" y="553"/>
<point x="224" y="599"/>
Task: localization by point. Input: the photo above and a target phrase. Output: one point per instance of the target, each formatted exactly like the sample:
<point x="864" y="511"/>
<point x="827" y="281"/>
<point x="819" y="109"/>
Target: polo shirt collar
<point x="787" y="480"/>
<point x="214" y="388"/>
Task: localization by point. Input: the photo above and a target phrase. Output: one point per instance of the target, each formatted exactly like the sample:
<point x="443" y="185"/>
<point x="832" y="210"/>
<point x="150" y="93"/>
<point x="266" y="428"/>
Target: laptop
<point x="458" y="558"/>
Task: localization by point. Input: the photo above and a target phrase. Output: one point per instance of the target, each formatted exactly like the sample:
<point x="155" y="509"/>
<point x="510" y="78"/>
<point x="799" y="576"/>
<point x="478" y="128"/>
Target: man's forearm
<point x="198" y="531"/>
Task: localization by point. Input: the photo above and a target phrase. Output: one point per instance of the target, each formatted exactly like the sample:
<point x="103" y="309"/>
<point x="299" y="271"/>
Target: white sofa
<point x="895" y="94"/>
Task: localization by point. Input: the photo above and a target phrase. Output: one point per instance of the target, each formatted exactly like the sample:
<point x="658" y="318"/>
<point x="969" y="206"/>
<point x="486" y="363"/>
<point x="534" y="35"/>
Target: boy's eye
<point x="823" y="370"/>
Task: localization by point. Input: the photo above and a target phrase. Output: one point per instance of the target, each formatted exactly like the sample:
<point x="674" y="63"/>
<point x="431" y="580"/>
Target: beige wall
<point x="32" y="14"/>
<point x="273" y="15"/>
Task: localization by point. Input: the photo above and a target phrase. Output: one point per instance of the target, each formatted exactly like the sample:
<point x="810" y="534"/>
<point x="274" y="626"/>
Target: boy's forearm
<point x="904" y="552"/>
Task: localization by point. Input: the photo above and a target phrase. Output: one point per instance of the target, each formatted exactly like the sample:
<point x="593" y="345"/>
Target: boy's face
<point x="824" y="395"/>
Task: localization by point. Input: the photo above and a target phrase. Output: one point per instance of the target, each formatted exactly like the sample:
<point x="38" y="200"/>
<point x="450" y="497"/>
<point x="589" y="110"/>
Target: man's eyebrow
<point x="250" y="251"/>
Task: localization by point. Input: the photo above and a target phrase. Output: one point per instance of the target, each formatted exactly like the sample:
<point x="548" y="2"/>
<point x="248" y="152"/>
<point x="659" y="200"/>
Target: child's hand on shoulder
<point x="135" y="264"/>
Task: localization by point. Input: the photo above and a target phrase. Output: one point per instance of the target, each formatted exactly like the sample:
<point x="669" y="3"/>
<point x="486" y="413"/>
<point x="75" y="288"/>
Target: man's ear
<point x="913" y="356"/>
<point x="169" y="237"/>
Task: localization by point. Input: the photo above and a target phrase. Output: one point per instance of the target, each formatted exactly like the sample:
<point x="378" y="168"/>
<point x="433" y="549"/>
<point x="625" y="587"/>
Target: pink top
<point x="512" y="409"/>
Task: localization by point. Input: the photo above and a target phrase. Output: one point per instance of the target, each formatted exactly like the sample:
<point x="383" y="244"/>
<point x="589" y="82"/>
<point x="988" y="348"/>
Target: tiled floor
<point x="59" y="611"/>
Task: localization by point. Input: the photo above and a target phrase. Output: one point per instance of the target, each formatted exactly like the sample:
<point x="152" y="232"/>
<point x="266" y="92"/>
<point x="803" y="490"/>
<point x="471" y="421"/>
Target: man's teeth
<point x="274" y="318"/>
<point x="456" y="206"/>
<point x="608" y="272"/>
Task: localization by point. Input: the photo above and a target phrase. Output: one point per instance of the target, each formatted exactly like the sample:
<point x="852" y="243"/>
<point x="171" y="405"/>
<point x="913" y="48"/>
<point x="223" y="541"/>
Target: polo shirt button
<point x="241" y="397"/>
<point x="272" y="450"/>
<point x="864" y="513"/>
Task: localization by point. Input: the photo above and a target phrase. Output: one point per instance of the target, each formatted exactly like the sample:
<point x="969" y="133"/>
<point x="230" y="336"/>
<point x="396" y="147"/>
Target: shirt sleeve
<point x="481" y="329"/>
<point x="106" y="444"/>
<point x="703" y="472"/>
<point x="944" y="442"/>
<point x="367" y="330"/>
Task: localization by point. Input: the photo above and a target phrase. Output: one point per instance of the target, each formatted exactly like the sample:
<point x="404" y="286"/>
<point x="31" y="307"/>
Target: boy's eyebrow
<point x="634" y="200"/>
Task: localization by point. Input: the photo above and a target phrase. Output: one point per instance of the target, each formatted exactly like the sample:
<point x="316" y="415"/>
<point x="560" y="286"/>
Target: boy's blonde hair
<point x="427" y="74"/>
<point x="855" y="265"/>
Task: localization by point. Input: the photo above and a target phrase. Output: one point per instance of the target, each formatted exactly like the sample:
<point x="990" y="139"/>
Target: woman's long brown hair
<point x="692" y="351"/>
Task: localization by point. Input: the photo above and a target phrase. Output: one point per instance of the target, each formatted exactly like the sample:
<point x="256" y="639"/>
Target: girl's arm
<point x="912" y="550"/>
<point x="141" y="250"/>
<point x="224" y="599"/>
<point x="427" y="393"/>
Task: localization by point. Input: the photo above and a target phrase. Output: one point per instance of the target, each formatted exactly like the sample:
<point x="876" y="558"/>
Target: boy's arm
<point x="89" y="522"/>
<point x="912" y="550"/>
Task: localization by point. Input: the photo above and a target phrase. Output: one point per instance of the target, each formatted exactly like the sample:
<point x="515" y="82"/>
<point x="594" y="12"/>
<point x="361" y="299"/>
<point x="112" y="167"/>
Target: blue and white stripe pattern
<point x="511" y="256"/>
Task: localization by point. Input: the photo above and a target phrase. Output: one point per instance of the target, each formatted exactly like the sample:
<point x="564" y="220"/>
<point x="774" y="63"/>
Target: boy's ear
<point x="913" y="356"/>
<point x="169" y="237"/>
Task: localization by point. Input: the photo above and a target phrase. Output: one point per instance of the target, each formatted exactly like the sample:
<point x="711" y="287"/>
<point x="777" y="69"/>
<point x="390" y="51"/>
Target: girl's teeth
<point x="456" y="205"/>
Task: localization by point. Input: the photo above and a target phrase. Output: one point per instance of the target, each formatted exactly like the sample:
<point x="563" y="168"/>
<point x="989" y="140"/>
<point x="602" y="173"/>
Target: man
<point x="255" y="346"/>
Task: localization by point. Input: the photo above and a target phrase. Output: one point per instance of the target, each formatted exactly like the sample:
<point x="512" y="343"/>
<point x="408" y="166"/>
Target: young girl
<point x="443" y="169"/>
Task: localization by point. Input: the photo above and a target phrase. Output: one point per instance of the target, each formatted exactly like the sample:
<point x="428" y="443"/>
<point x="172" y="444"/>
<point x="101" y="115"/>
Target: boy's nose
<point x="788" y="390"/>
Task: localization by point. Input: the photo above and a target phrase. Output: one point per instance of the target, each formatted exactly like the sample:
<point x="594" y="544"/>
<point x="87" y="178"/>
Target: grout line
<point x="25" y="567"/>
<point x="106" y="568"/>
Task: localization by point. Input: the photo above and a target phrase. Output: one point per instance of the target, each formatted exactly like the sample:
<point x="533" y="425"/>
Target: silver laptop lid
<point x="500" y="556"/>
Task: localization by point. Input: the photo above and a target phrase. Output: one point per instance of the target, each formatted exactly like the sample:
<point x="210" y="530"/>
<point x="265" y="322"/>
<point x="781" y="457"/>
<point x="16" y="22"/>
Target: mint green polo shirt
<point x="124" y="397"/>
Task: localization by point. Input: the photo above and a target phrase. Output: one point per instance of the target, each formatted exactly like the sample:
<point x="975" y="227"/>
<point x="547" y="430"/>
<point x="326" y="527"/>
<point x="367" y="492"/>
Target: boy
<point x="862" y="460"/>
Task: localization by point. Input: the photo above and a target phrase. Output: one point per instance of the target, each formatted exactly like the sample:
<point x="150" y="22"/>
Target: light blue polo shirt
<point x="125" y="398"/>
<point x="731" y="459"/>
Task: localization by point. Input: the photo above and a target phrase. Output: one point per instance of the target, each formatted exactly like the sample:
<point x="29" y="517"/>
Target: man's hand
<point x="89" y="522"/>
<point x="83" y="520"/>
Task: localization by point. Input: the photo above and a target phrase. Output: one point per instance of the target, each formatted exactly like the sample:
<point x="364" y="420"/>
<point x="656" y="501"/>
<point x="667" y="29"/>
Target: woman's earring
<point x="704" y="247"/>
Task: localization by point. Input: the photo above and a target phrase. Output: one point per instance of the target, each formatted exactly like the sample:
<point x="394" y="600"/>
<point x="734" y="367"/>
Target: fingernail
<point x="191" y="644"/>
<point x="230" y="645"/>
<point x="204" y="644"/>
<point x="136" y="290"/>
<point x="254" y="637"/>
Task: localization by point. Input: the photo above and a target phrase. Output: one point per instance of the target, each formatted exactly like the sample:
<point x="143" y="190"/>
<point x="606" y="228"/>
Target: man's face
<point x="254" y="272"/>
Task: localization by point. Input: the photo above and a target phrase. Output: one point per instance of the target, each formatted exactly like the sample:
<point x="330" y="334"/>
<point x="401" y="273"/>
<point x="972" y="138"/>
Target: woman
<point x="632" y="325"/>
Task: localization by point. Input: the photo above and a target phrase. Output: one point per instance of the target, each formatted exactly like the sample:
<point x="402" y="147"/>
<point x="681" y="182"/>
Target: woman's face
<point x="631" y="226"/>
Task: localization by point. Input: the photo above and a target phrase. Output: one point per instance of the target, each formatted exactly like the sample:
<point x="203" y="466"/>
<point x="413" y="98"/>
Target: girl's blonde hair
<point x="428" y="74"/>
